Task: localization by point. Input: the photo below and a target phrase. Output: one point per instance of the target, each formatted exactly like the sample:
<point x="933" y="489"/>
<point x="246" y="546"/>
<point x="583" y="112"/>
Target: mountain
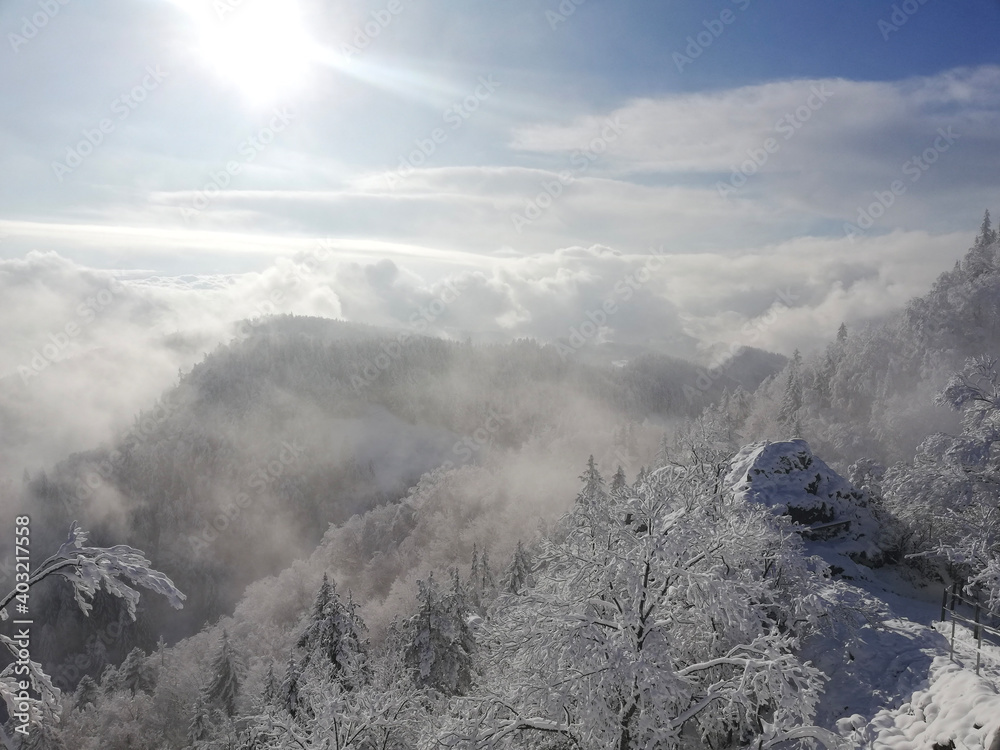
<point x="305" y="422"/>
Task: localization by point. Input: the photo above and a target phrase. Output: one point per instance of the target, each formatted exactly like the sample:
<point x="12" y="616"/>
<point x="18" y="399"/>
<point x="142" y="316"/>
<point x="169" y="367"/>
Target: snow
<point x="956" y="709"/>
<point x="892" y="684"/>
<point x="786" y="477"/>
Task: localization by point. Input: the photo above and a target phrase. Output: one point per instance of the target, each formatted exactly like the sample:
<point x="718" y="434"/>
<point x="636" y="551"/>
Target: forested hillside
<point x="870" y="392"/>
<point x="428" y="568"/>
<point x="304" y="422"/>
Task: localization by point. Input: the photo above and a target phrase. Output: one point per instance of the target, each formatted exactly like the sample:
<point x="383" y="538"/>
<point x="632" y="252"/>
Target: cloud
<point x="835" y="141"/>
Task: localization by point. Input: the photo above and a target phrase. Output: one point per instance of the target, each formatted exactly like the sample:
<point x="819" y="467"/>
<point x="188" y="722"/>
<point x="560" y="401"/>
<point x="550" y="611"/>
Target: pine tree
<point x="110" y="679"/>
<point x="842" y="332"/>
<point x="482" y="583"/>
<point x="474" y="593"/>
<point x="487" y="581"/>
<point x="269" y="695"/>
<point x="618" y="482"/>
<point x="86" y="692"/>
<point x="224" y="683"/>
<point x="517" y="577"/>
<point x="161" y="652"/>
<point x="593" y="484"/>
<point x="439" y="641"/>
<point x="290" y="692"/>
<point x="791" y="401"/>
<point x="334" y="640"/>
<point x="980" y="258"/>
<point x="824" y="379"/>
<point x="199" y="728"/>
<point x="987" y="234"/>
<point x="136" y="673"/>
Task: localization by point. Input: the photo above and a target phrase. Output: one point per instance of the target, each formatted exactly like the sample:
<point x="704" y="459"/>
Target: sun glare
<point x="259" y="46"/>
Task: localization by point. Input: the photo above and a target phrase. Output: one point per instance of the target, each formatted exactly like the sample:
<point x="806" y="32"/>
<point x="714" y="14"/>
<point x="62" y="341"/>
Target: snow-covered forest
<point x="349" y="540"/>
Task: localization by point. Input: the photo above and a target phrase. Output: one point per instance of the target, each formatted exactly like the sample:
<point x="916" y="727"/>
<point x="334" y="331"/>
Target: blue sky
<point x="556" y="148"/>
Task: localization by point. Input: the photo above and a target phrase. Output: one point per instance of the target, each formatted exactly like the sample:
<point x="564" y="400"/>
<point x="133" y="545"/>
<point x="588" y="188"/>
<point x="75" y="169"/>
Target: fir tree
<point x="110" y="679"/>
<point x="86" y="692"/>
<point x="482" y="583"/>
<point x="334" y="640"/>
<point x="224" y="683"/>
<point x="791" y="401"/>
<point x="200" y="726"/>
<point x="987" y="234"/>
<point x="593" y="484"/>
<point x="842" y="332"/>
<point x="269" y="695"/>
<point x="136" y="673"/>
<point x="618" y="482"/>
<point x="517" y="577"/>
<point x="439" y="642"/>
<point x="290" y="692"/>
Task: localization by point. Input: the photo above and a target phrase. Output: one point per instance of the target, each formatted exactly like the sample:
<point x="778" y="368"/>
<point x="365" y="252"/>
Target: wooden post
<point x="978" y="632"/>
<point x="944" y="603"/>
<point x="951" y="641"/>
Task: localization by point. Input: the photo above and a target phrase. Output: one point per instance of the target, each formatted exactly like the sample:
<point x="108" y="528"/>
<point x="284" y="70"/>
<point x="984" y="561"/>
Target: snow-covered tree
<point x="987" y="234"/>
<point x="482" y="583"/>
<point x="440" y="643"/>
<point x="87" y="692"/>
<point x="517" y="577"/>
<point x="948" y="495"/>
<point x="593" y="485"/>
<point x="334" y="641"/>
<point x="137" y="675"/>
<point x="387" y="712"/>
<point x="117" y="569"/>
<point x="791" y="401"/>
<point x="223" y="687"/>
<point x="271" y="690"/>
<point x="680" y="635"/>
<point x="200" y="726"/>
<point x="619" y="482"/>
<point x="289" y="694"/>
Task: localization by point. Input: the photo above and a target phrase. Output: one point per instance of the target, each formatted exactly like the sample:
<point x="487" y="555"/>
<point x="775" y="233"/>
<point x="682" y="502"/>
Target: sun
<point x="260" y="47"/>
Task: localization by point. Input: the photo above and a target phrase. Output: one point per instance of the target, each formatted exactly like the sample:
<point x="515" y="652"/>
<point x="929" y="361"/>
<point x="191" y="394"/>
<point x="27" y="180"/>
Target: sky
<point x="702" y="166"/>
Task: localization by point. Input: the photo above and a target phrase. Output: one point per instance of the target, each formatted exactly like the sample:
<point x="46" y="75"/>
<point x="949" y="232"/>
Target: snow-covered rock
<point x="788" y="478"/>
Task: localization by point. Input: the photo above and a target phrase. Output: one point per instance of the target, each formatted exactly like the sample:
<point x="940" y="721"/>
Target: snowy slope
<point x="892" y="685"/>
